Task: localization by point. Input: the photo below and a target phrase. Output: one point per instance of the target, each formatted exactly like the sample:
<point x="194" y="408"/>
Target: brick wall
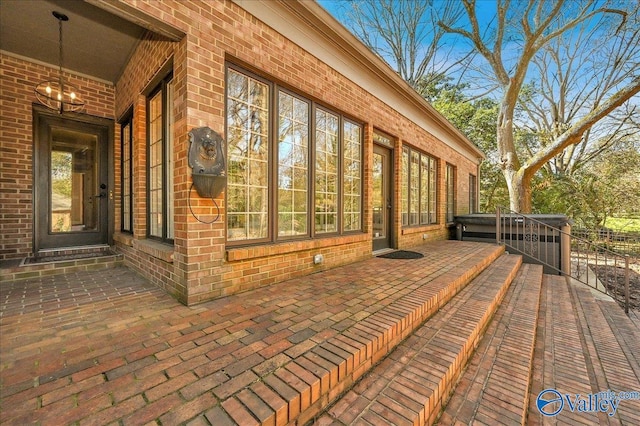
<point x="199" y="266"/>
<point x="161" y="265"/>
<point x="219" y="31"/>
<point x="18" y="79"/>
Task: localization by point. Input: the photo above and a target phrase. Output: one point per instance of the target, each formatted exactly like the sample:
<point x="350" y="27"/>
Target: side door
<point x="382" y="178"/>
<point x="71" y="182"/>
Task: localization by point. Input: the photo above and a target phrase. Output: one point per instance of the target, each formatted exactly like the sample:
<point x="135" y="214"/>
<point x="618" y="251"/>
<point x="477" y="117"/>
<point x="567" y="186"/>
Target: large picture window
<point x="316" y="185"/>
<point x="248" y="148"/>
<point x="404" y="196"/>
<point x="414" y="188"/>
<point x="126" y="136"/>
<point x="352" y="173"/>
<point x="160" y="211"/>
<point x="419" y="189"/>
<point x="326" y="188"/>
<point x="473" y="194"/>
<point x="293" y="165"/>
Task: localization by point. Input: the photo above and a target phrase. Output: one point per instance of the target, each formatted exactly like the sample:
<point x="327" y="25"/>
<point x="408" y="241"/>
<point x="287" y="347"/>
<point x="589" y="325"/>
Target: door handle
<point x="102" y="194"/>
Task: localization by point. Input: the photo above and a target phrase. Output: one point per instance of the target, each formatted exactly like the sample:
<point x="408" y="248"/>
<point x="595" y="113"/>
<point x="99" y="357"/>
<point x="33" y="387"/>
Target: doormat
<point x="402" y="254"/>
<point x="65" y="257"/>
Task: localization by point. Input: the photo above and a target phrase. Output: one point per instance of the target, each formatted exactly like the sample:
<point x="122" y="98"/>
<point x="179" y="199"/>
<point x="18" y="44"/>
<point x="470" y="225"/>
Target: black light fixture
<point x="58" y="94"/>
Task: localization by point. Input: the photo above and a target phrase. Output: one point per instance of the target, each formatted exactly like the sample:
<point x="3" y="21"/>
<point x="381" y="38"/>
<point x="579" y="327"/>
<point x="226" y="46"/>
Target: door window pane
<point x="73" y="184"/>
<point x="378" y="195"/>
<point x="62" y="191"/>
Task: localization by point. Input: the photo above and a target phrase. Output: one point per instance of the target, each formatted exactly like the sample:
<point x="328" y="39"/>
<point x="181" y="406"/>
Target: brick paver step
<point x="613" y="345"/>
<point x="90" y="260"/>
<point x="318" y="372"/>
<point x="104" y="347"/>
<point x="585" y="346"/>
<point x="559" y="360"/>
<point x="411" y="384"/>
<point x="495" y="387"/>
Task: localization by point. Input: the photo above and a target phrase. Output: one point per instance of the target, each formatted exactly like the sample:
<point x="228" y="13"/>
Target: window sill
<point x="273" y="249"/>
<point x="123" y="238"/>
<point x="421" y="228"/>
<point x="154" y="248"/>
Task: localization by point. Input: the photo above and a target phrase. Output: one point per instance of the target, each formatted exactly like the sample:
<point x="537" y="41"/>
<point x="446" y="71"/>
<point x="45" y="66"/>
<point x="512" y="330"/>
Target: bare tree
<point x="406" y="34"/>
<point x="520" y="35"/>
<point x="566" y="89"/>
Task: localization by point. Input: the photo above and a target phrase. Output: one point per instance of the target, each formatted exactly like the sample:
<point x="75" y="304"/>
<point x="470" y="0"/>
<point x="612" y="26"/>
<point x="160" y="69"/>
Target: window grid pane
<point x="473" y="190"/>
<point x="450" y="178"/>
<point x="404" y="196"/>
<point x="352" y="170"/>
<point x="169" y="161"/>
<point x="293" y="165"/>
<point x="248" y="149"/>
<point x="326" y="192"/>
<point x="337" y="159"/>
<point x="155" y="165"/>
<point x="424" y="190"/>
<point x="433" y="190"/>
<point x="126" y="178"/>
<point x="414" y="188"/>
<point x="418" y="194"/>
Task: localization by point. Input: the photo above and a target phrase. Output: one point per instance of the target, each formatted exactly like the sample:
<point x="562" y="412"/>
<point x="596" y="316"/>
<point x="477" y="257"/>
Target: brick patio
<point x="106" y="347"/>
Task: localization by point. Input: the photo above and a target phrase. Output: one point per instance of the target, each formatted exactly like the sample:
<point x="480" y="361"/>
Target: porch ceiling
<point x="96" y="43"/>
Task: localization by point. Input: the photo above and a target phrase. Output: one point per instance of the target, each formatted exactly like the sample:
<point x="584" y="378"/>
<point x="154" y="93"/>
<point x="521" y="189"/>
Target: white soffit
<point x="312" y="28"/>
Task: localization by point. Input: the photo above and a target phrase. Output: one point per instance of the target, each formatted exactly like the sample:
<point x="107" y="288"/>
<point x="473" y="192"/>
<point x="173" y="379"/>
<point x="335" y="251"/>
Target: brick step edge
<point x="612" y="346"/>
<point x="38" y="270"/>
<point x="298" y="391"/>
<point x="412" y="383"/>
<point x="495" y="387"/>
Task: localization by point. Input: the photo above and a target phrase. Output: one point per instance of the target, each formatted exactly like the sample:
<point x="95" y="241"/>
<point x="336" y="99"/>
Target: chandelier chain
<point x="59" y="94"/>
<point x="60" y="44"/>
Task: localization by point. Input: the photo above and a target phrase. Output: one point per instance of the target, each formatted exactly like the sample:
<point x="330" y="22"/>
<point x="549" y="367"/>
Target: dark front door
<point x="382" y="191"/>
<point x="71" y="182"/>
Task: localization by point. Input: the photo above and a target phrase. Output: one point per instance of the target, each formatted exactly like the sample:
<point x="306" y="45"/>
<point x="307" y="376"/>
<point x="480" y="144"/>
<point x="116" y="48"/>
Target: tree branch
<point x="574" y="134"/>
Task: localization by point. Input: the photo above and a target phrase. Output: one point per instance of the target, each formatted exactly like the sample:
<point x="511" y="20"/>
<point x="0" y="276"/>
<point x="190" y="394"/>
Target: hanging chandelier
<point x="58" y="94"/>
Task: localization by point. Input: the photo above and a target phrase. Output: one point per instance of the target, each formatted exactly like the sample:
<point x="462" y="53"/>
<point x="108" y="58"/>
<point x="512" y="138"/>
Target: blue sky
<point x="486" y="8"/>
<point x="589" y="56"/>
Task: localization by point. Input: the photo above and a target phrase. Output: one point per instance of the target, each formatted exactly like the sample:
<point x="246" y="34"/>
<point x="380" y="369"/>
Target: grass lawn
<point x="623" y="224"/>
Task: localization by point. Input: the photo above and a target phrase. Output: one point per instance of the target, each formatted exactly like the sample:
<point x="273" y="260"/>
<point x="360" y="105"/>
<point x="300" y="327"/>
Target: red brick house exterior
<point x="273" y="78"/>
